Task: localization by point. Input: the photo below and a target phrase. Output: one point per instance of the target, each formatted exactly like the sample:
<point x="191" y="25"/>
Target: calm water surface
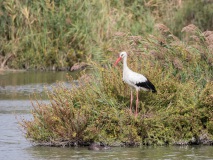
<point x="15" y="91"/>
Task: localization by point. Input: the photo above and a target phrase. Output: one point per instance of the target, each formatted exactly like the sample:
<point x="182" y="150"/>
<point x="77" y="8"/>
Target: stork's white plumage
<point x="135" y="80"/>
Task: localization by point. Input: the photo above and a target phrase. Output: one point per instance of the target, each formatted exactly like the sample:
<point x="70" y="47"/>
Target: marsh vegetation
<point x="54" y="35"/>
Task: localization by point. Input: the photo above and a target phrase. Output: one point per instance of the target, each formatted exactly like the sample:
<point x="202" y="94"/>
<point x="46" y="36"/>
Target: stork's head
<point x="121" y="56"/>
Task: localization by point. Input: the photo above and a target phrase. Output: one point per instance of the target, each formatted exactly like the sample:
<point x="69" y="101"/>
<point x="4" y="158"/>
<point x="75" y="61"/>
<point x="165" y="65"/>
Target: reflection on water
<point x="15" y="104"/>
<point x="26" y="77"/>
<point x="160" y="152"/>
<point x="21" y="85"/>
<point x="27" y="91"/>
<point x="84" y="153"/>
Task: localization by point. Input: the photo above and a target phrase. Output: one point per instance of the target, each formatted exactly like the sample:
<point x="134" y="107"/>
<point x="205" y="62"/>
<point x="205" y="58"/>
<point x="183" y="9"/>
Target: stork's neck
<point x="125" y="67"/>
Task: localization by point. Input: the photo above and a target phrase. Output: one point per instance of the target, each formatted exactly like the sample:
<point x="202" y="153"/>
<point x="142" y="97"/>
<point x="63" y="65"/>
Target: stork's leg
<point x="136" y="110"/>
<point x="131" y="99"/>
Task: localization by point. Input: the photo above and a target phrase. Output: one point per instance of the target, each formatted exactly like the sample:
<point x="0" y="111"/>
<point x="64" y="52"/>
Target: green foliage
<point x="57" y="34"/>
<point x="179" y="13"/>
<point x="96" y="109"/>
<point x="206" y="96"/>
<point x="197" y="12"/>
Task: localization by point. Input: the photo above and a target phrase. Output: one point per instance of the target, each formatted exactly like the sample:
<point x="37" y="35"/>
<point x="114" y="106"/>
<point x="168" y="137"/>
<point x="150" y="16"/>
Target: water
<point x="21" y="85"/>
<point x="15" y="91"/>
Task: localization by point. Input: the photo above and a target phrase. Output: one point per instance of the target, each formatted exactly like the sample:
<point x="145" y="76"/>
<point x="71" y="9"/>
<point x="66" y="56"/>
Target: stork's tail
<point x="154" y="91"/>
<point x="151" y="86"/>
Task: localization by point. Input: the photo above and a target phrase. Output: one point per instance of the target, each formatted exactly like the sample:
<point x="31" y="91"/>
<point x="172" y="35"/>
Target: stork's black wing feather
<point x="148" y="85"/>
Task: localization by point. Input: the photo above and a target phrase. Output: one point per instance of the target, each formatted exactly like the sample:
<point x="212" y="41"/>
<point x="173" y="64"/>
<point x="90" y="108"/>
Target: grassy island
<point x="96" y="109"/>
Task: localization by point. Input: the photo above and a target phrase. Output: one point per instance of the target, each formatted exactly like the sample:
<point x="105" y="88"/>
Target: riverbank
<point x="11" y="70"/>
<point x="75" y="67"/>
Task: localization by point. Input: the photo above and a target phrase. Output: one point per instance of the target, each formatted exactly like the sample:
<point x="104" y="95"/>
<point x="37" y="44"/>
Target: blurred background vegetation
<point x="55" y="34"/>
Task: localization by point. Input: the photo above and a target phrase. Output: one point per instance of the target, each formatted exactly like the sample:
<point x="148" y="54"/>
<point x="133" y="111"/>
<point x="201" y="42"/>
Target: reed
<point x="57" y="34"/>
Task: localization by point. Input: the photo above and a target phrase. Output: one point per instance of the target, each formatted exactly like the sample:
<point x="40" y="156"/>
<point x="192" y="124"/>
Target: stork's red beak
<point x="118" y="60"/>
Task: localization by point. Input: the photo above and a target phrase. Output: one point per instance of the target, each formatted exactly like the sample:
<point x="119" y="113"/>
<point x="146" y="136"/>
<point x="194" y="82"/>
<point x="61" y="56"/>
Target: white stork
<point x="135" y="80"/>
